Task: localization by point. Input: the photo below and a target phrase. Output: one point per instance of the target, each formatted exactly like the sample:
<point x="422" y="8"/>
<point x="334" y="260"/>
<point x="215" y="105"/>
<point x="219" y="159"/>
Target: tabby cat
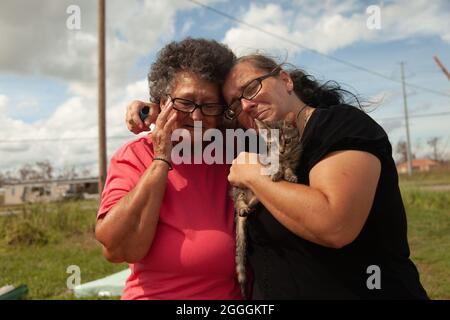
<point x="289" y="153"/>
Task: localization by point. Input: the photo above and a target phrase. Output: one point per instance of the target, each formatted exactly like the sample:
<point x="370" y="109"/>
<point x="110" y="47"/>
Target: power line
<point x="425" y="115"/>
<point x="330" y="57"/>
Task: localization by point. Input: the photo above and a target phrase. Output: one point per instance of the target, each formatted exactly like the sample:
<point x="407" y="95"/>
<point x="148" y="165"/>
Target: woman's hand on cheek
<point x="244" y="169"/>
<point x="161" y="135"/>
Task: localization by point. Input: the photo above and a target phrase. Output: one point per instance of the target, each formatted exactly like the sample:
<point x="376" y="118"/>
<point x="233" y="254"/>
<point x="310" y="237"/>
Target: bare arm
<point x="127" y="231"/>
<point x="332" y="210"/>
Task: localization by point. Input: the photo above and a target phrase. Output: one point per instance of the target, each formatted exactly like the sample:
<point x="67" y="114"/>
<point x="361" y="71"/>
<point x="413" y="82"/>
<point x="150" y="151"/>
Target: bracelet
<point x="168" y="163"/>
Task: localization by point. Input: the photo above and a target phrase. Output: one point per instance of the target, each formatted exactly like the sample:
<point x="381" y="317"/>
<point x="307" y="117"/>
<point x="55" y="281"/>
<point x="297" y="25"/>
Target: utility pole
<point x="405" y="105"/>
<point x="101" y="97"/>
<point x="444" y="70"/>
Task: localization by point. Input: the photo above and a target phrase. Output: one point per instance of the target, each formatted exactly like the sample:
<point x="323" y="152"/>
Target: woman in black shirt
<point x="340" y="233"/>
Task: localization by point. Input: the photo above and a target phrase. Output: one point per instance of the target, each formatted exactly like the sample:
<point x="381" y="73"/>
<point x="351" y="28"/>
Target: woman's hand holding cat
<point x="244" y="169"/>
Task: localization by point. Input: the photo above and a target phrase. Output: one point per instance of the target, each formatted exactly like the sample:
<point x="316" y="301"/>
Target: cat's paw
<point x="292" y="179"/>
<point x="277" y="176"/>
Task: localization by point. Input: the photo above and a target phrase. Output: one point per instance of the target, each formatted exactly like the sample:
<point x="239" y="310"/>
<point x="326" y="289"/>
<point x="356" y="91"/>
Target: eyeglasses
<point x="207" y="109"/>
<point x="248" y="93"/>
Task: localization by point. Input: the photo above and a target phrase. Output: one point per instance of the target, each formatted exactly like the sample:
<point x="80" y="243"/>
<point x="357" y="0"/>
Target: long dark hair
<point x="308" y="89"/>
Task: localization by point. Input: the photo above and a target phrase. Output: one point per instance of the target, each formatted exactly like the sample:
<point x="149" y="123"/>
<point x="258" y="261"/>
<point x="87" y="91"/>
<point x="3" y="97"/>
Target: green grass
<point x="429" y="228"/>
<point x="37" y="245"/>
<point x="437" y="176"/>
<point x="429" y="238"/>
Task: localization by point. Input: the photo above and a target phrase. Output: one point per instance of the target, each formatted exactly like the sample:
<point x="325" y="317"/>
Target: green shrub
<point x="38" y="224"/>
<point x="25" y="233"/>
<point x="426" y="199"/>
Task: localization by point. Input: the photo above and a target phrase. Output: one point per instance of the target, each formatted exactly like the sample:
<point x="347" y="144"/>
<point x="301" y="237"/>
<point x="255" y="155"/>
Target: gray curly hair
<point x="207" y="58"/>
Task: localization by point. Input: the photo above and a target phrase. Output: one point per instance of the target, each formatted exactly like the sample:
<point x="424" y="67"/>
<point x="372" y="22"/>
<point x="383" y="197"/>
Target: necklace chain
<point x="304" y="120"/>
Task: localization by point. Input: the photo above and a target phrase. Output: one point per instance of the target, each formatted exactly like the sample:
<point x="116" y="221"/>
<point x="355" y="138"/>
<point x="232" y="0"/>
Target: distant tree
<point x="45" y="169"/>
<point x="436" y="154"/>
<point x="41" y="170"/>
<point x="86" y="173"/>
<point x="6" y="177"/>
<point x="68" y="172"/>
<point x="402" y="150"/>
<point x="27" y="172"/>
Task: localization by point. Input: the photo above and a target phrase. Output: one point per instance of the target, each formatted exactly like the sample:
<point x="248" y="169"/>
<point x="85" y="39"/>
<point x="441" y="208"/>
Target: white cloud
<point x="8" y="128"/>
<point x="336" y="24"/>
<point x="44" y="46"/>
<point x="61" y="138"/>
<point x="36" y="42"/>
<point x="384" y="97"/>
<point x="271" y="17"/>
<point x="390" y="125"/>
<point x="187" y="26"/>
<point x="3" y="104"/>
<point x="35" y="39"/>
<point x="28" y="103"/>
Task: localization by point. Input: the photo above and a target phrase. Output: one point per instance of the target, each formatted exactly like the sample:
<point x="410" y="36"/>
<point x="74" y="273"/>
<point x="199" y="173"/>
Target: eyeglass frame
<point x="199" y="106"/>
<point x="260" y="79"/>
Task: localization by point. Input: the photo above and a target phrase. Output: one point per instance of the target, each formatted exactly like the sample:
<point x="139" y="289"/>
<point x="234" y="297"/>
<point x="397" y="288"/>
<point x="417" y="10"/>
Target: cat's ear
<point x="290" y="119"/>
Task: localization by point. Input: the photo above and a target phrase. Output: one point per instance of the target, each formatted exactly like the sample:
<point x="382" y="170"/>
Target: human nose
<point x="247" y="105"/>
<point x="197" y="115"/>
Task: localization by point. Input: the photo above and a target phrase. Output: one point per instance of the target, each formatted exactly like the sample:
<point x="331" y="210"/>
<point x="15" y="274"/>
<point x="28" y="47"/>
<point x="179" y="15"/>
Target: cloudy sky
<point x="48" y="70"/>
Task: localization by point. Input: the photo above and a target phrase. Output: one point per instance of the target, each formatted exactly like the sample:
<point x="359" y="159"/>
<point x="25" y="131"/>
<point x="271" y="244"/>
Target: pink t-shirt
<point x="193" y="252"/>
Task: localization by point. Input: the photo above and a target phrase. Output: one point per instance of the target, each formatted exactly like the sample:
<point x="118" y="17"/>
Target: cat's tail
<point x="241" y="248"/>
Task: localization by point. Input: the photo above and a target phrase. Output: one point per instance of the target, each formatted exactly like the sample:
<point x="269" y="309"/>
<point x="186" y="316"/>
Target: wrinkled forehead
<point x="186" y="84"/>
<point x="239" y="76"/>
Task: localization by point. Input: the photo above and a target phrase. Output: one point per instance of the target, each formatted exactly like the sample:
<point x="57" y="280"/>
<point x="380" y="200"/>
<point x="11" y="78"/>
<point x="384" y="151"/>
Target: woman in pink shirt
<point x="174" y="224"/>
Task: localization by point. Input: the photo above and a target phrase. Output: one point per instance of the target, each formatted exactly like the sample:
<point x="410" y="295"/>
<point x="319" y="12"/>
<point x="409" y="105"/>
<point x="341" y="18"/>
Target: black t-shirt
<point x="285" y="266"/>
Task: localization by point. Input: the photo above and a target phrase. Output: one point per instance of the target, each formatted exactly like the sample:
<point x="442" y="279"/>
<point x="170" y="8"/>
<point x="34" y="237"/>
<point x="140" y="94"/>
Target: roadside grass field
<point x="40" y="241"/>
<point x="429" y="228"/>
